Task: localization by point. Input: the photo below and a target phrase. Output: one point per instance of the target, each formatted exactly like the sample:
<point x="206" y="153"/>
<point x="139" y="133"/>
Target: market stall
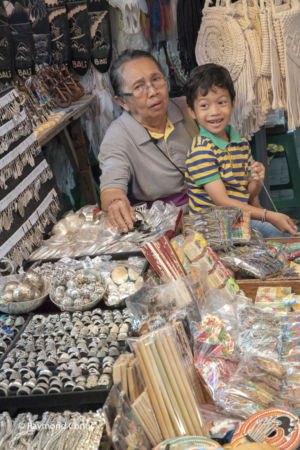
<point x="184" y="331"/>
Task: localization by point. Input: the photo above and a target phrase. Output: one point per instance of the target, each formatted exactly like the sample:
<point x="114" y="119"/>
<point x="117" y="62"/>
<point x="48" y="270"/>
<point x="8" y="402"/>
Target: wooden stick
<point x="163" y="398"/>
<point x="189" y="429"/>
<point x="175" y="414"/>
<point x="185" y="388"/>
<point x="152" y="394"/>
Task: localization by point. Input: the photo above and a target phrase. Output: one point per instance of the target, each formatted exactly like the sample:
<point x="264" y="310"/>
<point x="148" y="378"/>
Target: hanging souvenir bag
<point x="6" y="54"/>
<point x="41" y="32"/>
<point x="221" y="40"/>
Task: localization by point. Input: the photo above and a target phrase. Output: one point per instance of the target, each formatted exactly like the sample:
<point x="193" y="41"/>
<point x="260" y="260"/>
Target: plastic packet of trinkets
<point x="252" y="262"/>
<point x="123" y="277"/>
<point x="122" y="425"/>
<point x="218" y="422"/>
<point x="154" y="306"/>
<point x="256" y="385"/>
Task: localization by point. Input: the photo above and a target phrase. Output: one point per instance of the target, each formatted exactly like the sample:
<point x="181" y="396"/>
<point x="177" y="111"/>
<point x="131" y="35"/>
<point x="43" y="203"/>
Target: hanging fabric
<point x="41" y="32"/>
<point x="289" y="22"/>
<point x="59" y="32"/>
<point x="22" y="38"/>
<point x="5" y="49"/>
<point x="100" y="34"/>
<point x="78" y="19"/>
<point x="189" y="17"/>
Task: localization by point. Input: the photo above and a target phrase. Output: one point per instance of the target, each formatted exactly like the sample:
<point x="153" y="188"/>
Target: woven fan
<point x="289" y="21"/>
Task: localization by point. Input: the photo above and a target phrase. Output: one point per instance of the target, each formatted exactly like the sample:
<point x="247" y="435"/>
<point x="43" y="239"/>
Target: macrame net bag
<point x="265" y="91"/>
<point x="255" y="117"/>
<point x="278" y="84"/>
<point x="289" y="21"/>
<point x="221" y="40"/>
<point x="276" y="9"/>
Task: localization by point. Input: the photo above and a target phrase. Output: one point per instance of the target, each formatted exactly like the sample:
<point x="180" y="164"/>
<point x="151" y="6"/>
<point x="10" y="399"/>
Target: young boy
<point x="219" y="167"/>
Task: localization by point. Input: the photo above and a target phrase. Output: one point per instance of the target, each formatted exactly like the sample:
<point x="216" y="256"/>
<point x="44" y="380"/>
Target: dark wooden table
<point x="70" y="132"/>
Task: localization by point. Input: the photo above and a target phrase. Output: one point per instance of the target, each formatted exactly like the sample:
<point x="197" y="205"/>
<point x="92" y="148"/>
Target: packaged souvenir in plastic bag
<point x="215" y="224"/>
<point x="218" y="421"/>
<point x="216" y="353"/>
<point x="252" y="262"/>
<point x="153" y="306"/>
<point x="256" y="385"/>
<point x="172" y="383"/>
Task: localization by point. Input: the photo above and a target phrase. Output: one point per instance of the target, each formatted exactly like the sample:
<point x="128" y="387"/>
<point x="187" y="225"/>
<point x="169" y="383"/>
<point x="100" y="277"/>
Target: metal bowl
<point x="27" y="305"/>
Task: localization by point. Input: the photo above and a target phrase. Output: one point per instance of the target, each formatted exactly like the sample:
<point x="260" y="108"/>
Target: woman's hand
<point x="121" y="215"/>
<point x="282" y="222"/>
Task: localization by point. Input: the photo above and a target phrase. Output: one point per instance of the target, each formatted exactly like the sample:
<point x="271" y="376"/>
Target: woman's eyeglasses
<point x="142" y="89"/>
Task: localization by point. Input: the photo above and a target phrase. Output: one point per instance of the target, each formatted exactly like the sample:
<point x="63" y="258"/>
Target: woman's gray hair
<point x="115" y="74"/>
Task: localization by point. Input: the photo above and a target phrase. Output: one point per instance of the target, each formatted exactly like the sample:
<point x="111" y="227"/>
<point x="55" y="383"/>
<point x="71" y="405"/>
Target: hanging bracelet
<point x="264" y="214"/>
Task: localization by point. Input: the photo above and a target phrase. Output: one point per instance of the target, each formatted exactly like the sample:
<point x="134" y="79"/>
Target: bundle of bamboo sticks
<point x="172" y="392"/>
<point x="126" y="372"/>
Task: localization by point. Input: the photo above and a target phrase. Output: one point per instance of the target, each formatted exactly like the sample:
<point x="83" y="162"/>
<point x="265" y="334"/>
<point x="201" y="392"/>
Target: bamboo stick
<point x="152" y="394"/>
<point x="176" y="415"/>
<point x="163" y="396"/>
<point x="189" y="429"/>
<point x="186" y="389"/>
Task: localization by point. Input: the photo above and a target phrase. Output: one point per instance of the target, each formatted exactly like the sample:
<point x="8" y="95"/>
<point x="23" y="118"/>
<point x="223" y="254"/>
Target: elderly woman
<point x="142" y="156"/>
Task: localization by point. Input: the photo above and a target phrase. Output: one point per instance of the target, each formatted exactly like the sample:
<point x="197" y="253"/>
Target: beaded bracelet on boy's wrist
<point x="264" y="215"/>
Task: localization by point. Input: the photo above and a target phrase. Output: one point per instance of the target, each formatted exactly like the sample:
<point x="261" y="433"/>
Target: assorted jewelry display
<point x="53" y="431"/>
<point x="9" y="328"/>
<point x="28" y="199"/>
<point x="65" y="352"/>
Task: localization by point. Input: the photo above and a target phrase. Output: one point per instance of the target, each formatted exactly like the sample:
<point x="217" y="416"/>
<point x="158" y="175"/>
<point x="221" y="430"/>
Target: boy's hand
<point x="257" y="172"/>
<point x="282" y="222"/>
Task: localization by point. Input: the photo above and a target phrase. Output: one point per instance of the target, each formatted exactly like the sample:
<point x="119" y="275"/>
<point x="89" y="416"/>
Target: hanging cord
<point x="266" y="191"/>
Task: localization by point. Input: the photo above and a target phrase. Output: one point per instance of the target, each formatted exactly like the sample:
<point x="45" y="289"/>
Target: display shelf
<point x="92" y="399"/>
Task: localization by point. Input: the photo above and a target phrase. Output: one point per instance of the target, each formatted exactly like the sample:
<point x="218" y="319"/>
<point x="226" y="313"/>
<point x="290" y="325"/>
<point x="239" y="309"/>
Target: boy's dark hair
<point x="115" y="74"/>
<point x="203" y="78"/>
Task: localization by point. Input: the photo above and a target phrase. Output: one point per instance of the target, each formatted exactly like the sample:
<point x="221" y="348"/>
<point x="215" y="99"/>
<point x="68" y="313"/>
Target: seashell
<point x="22" y="292"/>
<point x="34" y="279"/>
<point x="78" y="302"/>
<point x="133" y="275"/>
<point x="119" y="275"/>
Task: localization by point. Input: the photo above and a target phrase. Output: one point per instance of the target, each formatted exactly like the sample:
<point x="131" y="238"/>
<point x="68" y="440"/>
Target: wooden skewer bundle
<point x="144" y="412"/>
<point x="169" y="385"/>
<point x="125" y="370"/>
